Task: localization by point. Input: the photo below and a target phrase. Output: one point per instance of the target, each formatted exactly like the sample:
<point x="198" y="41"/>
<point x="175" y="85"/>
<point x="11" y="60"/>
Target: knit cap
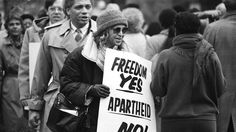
<point x="109" y="18"/>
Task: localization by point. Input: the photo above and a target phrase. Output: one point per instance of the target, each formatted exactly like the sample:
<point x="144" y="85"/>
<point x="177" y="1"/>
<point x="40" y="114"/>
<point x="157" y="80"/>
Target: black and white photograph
<point x="117" y="65"/>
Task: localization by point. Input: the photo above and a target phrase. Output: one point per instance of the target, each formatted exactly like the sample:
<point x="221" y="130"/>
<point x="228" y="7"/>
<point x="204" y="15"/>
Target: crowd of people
<point x="192" y="55"/>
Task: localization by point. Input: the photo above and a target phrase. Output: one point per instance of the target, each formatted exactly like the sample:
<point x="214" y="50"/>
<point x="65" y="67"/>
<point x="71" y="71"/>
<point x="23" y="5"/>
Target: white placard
<point x="33" y="54"/>
<point x="130" y="106"/>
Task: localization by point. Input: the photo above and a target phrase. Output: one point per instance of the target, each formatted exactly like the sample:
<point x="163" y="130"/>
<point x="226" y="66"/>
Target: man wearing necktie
<point x="57" y="43"/>
<point x="78" y="36"/>
<point x="82" y="74"/>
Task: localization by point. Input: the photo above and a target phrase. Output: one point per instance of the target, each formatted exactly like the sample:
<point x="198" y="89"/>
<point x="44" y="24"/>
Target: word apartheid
<point x="129" y="107"/>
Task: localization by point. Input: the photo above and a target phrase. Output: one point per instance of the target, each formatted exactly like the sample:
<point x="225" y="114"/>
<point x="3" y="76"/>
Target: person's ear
<point x="103" y="36"/>
<point x="67" y="11"/>
<point x="106" y="33"/>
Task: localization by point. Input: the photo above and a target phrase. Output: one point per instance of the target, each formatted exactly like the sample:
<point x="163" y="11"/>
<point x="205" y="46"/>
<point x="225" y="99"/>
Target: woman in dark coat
<point x="82" y="73"/>
<point x="190" y="77"/>
<point x="10" y="48"/>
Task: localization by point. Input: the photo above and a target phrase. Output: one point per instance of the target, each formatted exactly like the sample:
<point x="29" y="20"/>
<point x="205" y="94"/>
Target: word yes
<point x="135" y="82"/>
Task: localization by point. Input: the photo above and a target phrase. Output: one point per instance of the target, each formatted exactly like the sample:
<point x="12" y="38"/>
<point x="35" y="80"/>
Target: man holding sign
<point x="82" y="73"/>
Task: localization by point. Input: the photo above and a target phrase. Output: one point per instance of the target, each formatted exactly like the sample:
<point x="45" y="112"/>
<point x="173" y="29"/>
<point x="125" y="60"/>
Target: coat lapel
<point x="69" y="42"/>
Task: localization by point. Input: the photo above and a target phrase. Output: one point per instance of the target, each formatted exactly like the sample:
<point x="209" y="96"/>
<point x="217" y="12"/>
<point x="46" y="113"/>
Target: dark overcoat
<point x="221" y="34"/>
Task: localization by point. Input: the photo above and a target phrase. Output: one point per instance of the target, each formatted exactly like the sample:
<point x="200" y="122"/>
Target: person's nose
<point x="84" y="10"/>
<point x="28" y="25"/>
<point x="121" y="33"/>
<point x="15" y="26"/>
<point x="57" y="10"/>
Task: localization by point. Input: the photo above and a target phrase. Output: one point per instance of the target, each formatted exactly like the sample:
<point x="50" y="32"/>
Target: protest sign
<point x="33" y="54"/>
<point x="130" y="106"/>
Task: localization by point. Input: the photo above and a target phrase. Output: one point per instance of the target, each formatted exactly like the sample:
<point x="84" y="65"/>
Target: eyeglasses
<point x="117" y="30"/>
<point x="54" y="8"/>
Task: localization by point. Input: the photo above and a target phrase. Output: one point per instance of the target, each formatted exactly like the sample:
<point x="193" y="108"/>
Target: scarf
<point x="102" y="52"/>
<point x="17" y="42"/>
<point x="101" y="57"/>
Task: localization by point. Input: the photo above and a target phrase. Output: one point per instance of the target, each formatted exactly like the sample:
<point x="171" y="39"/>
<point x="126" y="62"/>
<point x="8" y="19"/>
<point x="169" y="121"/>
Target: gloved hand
<point x="99" y="90"/>
<point x="34" y="119"/>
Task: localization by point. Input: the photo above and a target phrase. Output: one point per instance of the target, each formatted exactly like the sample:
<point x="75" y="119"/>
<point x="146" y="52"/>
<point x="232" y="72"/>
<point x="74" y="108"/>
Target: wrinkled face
<point x="14" y="27"/>
<point x="55" y="12"/>
<point x="116" y="35"/>
<point x="27" y="23"/>
<point x="80" y="12"/>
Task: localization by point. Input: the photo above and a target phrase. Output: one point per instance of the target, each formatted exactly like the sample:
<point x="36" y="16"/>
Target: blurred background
<point x="150" y="8"/>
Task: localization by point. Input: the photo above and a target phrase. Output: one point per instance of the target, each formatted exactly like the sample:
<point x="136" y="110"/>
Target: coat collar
<point x="65" y="27"/>
<point x="228" y="14"/>
<point x="8" y="42"/>
<point x="40" y="21"/>
<point x="44" y="22"/>
<point x="165" y="32"/>
<point x="69" y="42"/>
<point x="90" y="48"/>
<point x="55" y="24"/>
<point x="187" y="41"/>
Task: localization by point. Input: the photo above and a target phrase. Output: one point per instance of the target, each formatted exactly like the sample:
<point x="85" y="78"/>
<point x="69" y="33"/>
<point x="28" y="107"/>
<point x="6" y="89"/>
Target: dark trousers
<point x="188" y="125"/>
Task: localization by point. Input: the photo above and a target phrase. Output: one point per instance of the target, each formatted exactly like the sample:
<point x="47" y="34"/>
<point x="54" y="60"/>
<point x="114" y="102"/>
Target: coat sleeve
<point x="159" y="82"/>
<point x="23" y="73"/>
<point x="42" y="75"/>
<point x="210" y="35"/>
<point x="71" y="79"/>
<point x="218" y="77"/>
<point x="150" y="50"/>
